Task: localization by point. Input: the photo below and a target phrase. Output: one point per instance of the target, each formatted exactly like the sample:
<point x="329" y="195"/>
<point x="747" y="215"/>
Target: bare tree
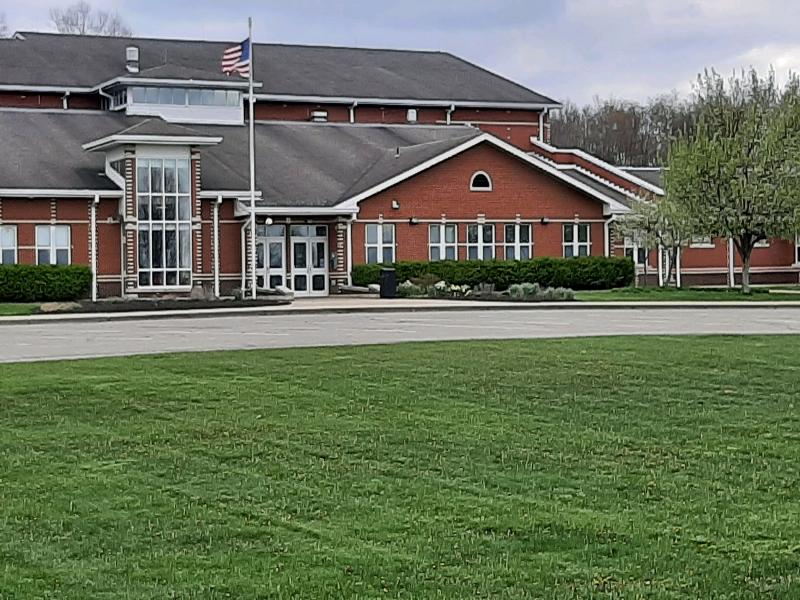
<point x="3" y="26"/>
<point x="80" y="18"/>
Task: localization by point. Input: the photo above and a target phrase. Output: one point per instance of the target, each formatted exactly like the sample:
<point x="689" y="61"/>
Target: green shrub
<point x="583" y="273"/>
<point x="44" y="283"/>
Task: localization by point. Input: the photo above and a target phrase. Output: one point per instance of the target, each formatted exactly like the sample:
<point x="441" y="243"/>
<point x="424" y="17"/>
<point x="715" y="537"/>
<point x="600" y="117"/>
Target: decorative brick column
<point x="338" y="275"/>
<point x="197" y="229"/>
<point x="129" y="222"/>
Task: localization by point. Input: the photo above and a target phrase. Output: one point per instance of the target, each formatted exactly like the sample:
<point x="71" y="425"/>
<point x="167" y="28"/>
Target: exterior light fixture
<point x="413" y="221"/>
<point x="395" y="204"/>
<point x="544" y="220"/>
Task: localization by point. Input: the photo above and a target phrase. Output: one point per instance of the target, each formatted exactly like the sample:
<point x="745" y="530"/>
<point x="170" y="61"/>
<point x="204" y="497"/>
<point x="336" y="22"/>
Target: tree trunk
<point x="746" y="273"/>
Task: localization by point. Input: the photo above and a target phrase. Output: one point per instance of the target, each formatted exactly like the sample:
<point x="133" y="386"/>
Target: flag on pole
<point x="236" y="59"/>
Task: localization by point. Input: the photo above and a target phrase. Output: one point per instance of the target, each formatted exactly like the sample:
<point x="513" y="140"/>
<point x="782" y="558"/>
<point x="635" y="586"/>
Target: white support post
<point x="350" y="250"/>
<point x="731" y="264"/>
<point x="252" y="164"/>
<point x="216" y="246"/>
<point x="93" y="246"/>
<point x="607" y="235"/>
<point x="678" y="281"/>
<point x="660" y="266"/>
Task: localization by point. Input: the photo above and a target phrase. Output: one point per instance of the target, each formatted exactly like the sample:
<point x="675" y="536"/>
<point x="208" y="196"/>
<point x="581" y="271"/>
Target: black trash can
<point x="388" y="283"/>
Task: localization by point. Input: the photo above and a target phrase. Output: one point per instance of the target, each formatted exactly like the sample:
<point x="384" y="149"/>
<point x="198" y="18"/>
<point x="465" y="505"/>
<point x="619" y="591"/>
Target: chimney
<point x="132" y="59"/>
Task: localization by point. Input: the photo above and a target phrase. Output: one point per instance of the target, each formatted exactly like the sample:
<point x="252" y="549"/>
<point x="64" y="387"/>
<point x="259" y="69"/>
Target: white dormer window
<point x="480" y="182"/>
<point x="187" y="104"/>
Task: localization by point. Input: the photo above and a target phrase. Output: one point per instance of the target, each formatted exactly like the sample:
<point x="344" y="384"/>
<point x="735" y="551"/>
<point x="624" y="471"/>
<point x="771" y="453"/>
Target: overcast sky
<point x="574" y="49"/>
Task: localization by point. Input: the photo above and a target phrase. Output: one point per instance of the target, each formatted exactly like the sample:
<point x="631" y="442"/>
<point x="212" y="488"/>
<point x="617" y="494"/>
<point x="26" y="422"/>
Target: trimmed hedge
<point x="44" y="283"/>
<point x="583" y="273"/>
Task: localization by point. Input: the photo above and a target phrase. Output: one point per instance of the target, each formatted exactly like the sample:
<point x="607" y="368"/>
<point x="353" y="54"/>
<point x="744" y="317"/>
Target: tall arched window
<point x="480" y="182"/>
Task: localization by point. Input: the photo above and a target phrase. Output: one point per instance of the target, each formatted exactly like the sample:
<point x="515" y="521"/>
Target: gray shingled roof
<point x="654" y="176"/>
<point x="599" y="186"/>
<point x="297" y="164"/>
<point x="85" y="61"/>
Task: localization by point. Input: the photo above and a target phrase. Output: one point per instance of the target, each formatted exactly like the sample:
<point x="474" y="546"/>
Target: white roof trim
<point x="239" y="194"/>
<point x="57" y="193"/>
<point x="321" y="211"/>
<point x="235" y="84"/>
<point x="613" y="205"/>
<point x="600" y="163"/>
<point x="157" y="140"/>
<point x="44" y="88"/>
<point x="404" y="101"/>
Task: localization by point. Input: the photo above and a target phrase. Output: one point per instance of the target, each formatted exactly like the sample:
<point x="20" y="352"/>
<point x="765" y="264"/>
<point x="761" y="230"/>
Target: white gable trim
<point x="612" y="206"/>
<point x="600" y="163"/>
<point x="156" y="140"/>
<point x="57" y="193"/>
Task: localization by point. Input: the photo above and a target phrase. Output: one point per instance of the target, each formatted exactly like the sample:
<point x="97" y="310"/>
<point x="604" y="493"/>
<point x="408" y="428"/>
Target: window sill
<point x="702" y="246"/>
<point x="162" y="289"/>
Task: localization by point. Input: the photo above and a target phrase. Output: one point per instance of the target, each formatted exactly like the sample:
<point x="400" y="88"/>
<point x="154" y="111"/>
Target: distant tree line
<point x="623" y="132"/>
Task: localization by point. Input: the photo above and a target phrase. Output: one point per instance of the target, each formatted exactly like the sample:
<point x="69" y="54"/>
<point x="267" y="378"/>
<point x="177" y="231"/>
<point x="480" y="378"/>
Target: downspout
<point x="244" y="259"/>
<point x="449" y="112"/>
<point x="731" y="276"/>
<point x="65" y="100"/>
<point x="216" y="245"/>
<point x="353" y="111"/>
<point x="93" y="248"/>
<point x="107" y="96"/>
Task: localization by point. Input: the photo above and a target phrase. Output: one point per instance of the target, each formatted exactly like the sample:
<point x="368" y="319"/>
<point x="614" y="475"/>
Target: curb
<point x="394" y="308"/>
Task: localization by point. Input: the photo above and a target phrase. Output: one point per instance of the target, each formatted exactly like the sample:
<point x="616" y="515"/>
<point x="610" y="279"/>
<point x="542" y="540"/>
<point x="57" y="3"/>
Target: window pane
<point x="195" y="97"/>
<point x="61" y="236"/>
<point x="144" y="249"/>
<point x="322" y="230"/>
<point x="233" y="98"/>
<point x="275" y="281"/>
<point x="488" y="233"/>
<point x="583" y="250"/>
<point x="510" y="233"/>
<point x="158" y="247"/>
<point x="568" y="251"/>
<point x="143" y="208"/>
<point x="472" y="234"/>
<point x="179" y="96"/>
<point x="8" y="237"/>
<point x="169" y="208"/>
<point x="172" y="278"/>
<point x="151" y="95"/>
<point x="372" y="234"/>
<point x="157" y="207"/>
<point x="165" y="96"/>
<point x="275" y="255"/>
<point x="62" y="256"/>
<point x="488" y="252"/>
<point x="220" y="97"/>
<point x="525" y="234"/>
<point x="156" y="183"/>
<point x="435" y="255"/>
<point x="42" y="235"/>
<point x="183" y="177"/>
<point x="184" y="208"/>
<point x="171" y="244"/>
<point x="450" y="252"/>
<point x="372" y="255"/>
<point x="185" y="278"/>
<point x="208" y="97"/>
<point x="144" y="278"/>
<point x="170" y="182"/>
<point x="434" y="234"/>
<point x="388" y="234"/>
<point x="388" y="255"/>
<point x="318" y="255"/>
<point x="299" y="252"/>
<point x="300" y="283"/>
<point x="43" y="257"/>
<point x="472" y="253"/>
<point x="276" y="231"/>
<point x="142" y="176"/>
<point x="186" y="247"/>
<point x="583" y="233"/>
<point x="525" y="252"/>
<point x="138" y="95"/>
<point x="8" y="257"/>
<point x="509" y="252"/>
<point x="568" y="233"/>
<point x="450" y="234"/>
<point x="158" y="277"/>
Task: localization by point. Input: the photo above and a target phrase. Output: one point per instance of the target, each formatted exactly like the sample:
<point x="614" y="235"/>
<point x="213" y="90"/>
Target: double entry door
<point x="298" y="261"/>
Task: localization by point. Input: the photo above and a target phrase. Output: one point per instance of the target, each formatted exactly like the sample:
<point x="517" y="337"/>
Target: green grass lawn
<point x="10" y="310"/>
<point x="605" y="468"/>
<point x="683" y="294"/>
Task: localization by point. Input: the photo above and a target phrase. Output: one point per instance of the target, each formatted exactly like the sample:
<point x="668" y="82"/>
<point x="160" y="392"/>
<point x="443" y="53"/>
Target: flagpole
<point x="252" y="166"/>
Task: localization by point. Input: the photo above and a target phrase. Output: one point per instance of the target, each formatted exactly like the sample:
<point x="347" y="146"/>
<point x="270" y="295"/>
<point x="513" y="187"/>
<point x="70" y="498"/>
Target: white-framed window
<point x="164" y="211"/>
<point x="53" y="245"/>
<point x="701" y="241"/>
<point x="480" y="182"/>
<point x="480" y="241"/>
<point x="577" y="239"/>
<point x="443" y="242"/>
<point x="762" y="244"/>
<point x="635" y="252"/>
<point x="185" y="97"/>
<point x="380" y="243"/>
<point x="8" y="244"/>
<point x="518" y="241"/>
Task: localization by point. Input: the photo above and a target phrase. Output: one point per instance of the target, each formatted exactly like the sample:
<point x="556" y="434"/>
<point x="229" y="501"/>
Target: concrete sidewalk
<point x="353" y="304"/>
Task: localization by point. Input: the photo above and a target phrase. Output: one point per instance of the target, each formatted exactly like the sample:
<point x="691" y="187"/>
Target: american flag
<point x="236" y="59"/>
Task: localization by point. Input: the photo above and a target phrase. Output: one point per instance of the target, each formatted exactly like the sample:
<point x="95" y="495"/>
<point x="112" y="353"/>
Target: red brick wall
<point x="518" y="189"/>
<point x="30" y="100"/>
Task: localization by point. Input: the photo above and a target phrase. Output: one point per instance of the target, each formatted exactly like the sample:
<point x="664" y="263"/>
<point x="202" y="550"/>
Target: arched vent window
<point x="480" y="182"/>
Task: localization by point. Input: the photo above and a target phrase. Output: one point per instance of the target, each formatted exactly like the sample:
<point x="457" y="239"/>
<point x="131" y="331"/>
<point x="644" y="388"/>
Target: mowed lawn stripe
<point x="615" y="467"/>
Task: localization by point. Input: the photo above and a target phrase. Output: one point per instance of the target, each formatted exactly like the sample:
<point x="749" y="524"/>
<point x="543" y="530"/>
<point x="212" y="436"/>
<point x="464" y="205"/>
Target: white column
<point x="678" y="267"/>
<point x="660" y="266"/>
<point x="350" y="250"/>
<point x="215" y="237"/>
<point x="93" y="245"/>
<point x="731" y="263"/>
<point x="607" y="234"/>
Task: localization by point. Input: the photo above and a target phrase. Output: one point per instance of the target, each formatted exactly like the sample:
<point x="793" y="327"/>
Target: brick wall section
<point x="131" y="257"/>
<point x="519" y="191"/>
<point x="30" y="100"/>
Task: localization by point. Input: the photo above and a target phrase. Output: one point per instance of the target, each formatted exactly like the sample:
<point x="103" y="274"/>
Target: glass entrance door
<point x="270" y="256"/>
<point x="309" y="260"/>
